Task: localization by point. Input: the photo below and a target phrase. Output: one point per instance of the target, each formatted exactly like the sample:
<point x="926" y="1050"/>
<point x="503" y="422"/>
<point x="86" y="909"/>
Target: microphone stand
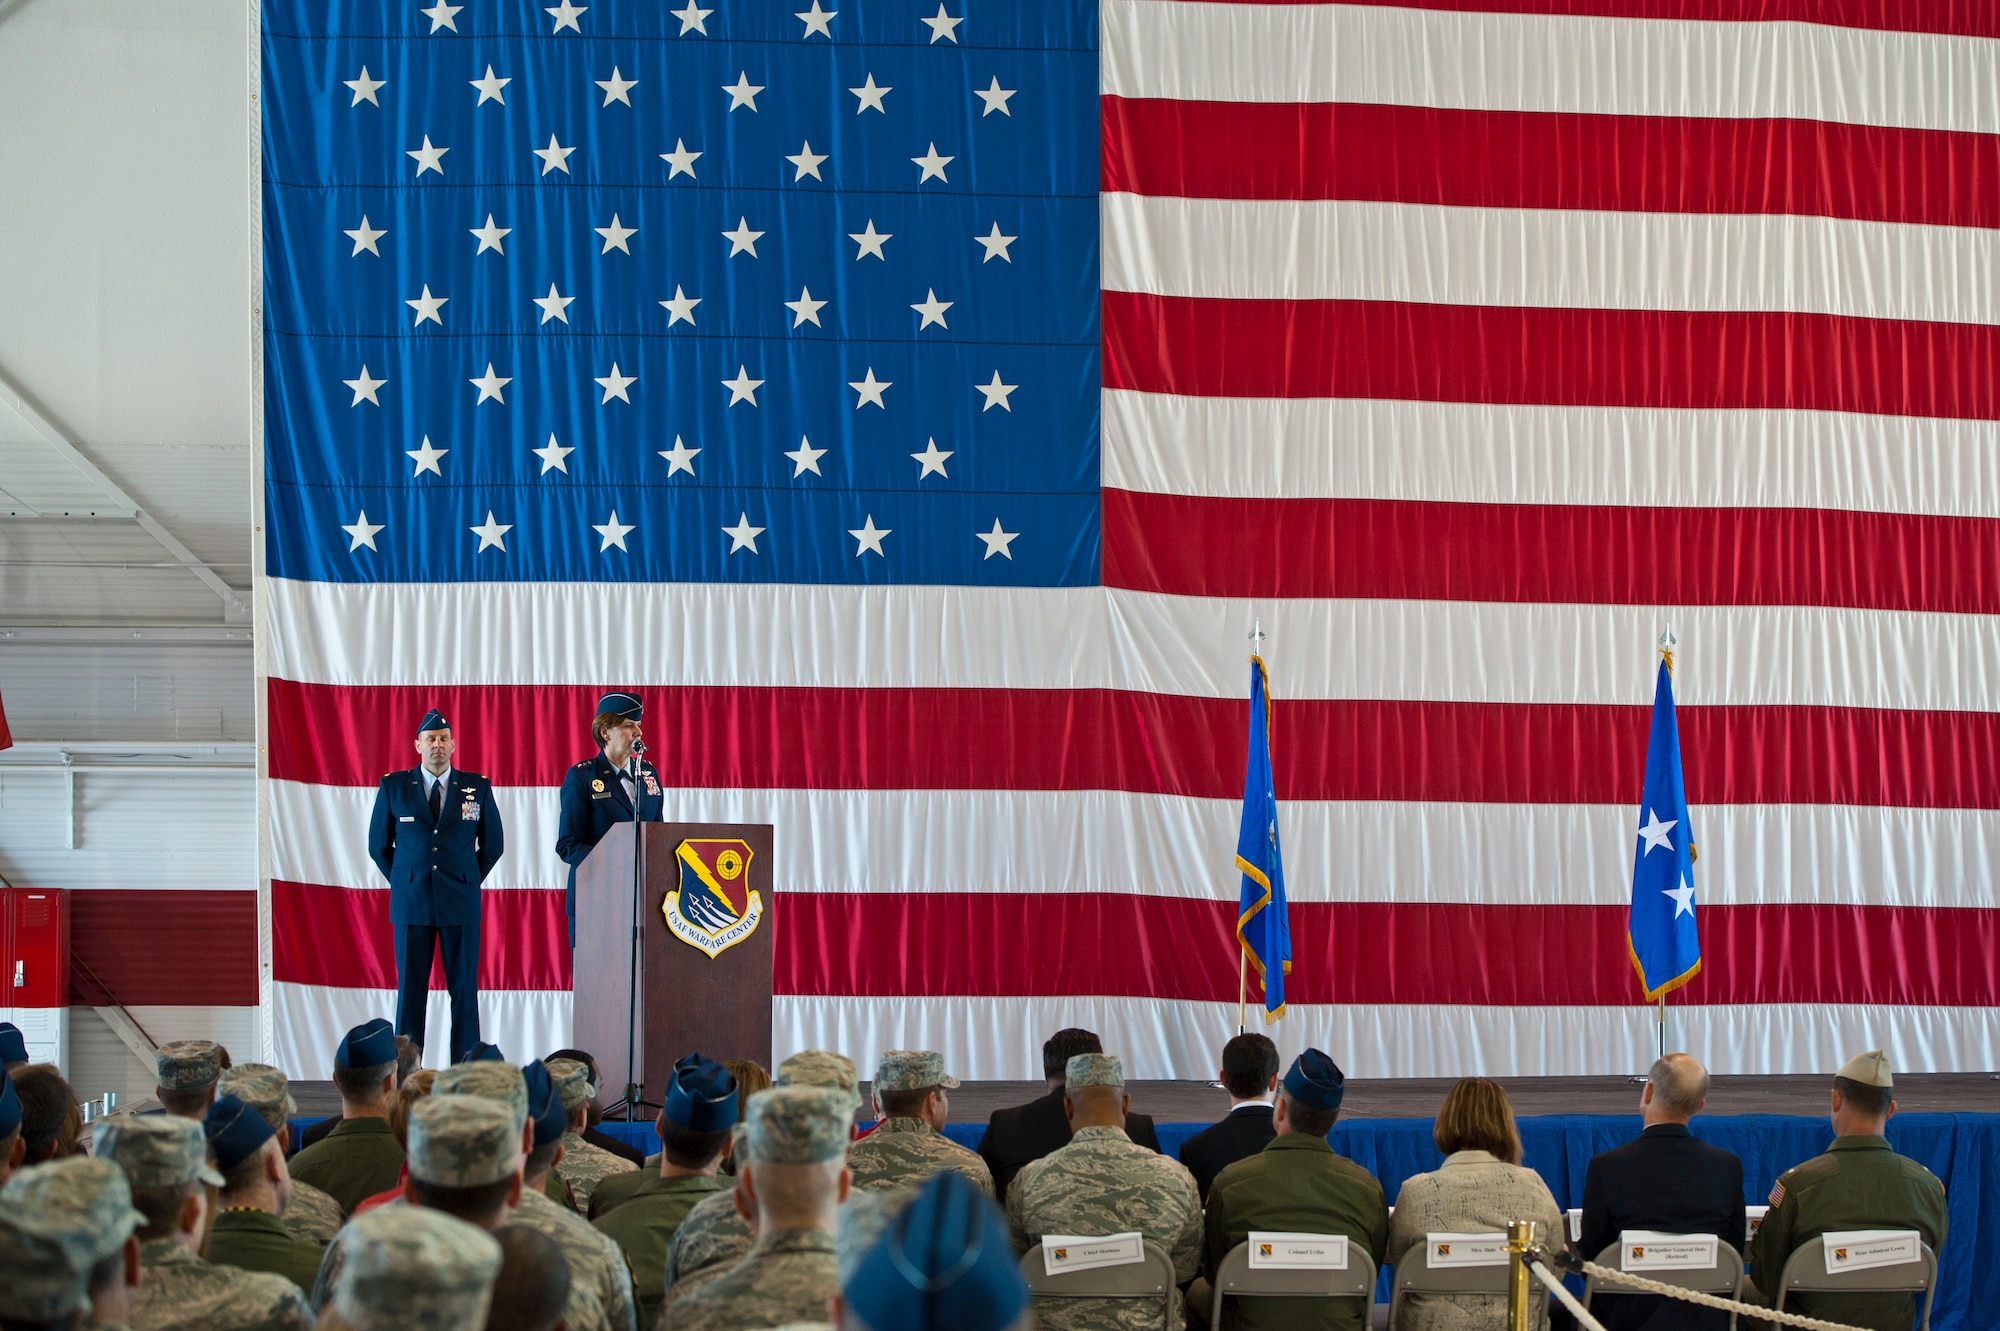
<point x="635" y="1087"/>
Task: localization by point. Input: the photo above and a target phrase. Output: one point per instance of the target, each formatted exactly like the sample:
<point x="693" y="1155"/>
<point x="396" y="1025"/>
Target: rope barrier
<point x="1569" y="1300"/>
<point x="1646" y="1286"/>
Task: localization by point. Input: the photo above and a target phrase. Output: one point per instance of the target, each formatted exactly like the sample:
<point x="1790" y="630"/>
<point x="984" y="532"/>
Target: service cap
<point x="701" y="1096"/>
<point x="820" y="1067"/>
<point x="262" y="1087"/>
<point x="235" y="1132"/>
<point x="1092" y="1070"/>
<point x="189" y="1065"/>
<point x="911" y="1070"/>
<point x="10" y="1106"/>
<point x="57" y="1221"/>
<point x="13" y="1044"/>
<point x="573" y="1080"/>
<point x="800" y="1125"/>
<point x="946" y="1263"/>
<point x="433" y="720"/>
<point x="545" y="1104"/>
<point x="502" y="1082"/>
<point x="624" y="706"/>
<point x="485" y="1053"/>
<point x="1315" y="1081"/>
<point x="1870" y="1069"/>
<point x="369" y="1045"/>
<point x="157" y="1150"/>
<point x="413" y="1266"/>
<point x="463" y="1141"/>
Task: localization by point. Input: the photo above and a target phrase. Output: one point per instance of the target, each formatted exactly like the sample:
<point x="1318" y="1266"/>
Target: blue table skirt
<point x="1961" y="1149"/>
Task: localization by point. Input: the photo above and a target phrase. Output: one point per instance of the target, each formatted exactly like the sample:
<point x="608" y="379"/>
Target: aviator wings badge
<point x="715" y="875"/>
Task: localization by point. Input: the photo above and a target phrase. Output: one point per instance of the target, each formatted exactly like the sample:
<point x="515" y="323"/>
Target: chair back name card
<point x="1090" y="1252"/>
<point x="1863" y="1249"/>
<point x="1271" y="1250"/>
<point x="1645" y="1250"/>
<point x="1446" y="1250"/>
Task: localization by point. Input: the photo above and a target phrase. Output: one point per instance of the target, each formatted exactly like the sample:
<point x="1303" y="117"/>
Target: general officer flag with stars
<point x="1666" y="946"/>
<point x="1263" y="925"/>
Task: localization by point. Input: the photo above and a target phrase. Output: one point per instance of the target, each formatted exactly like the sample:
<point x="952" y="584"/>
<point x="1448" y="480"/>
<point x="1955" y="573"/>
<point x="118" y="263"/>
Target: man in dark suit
<point x="1017" y="1137"/>
<point x="1250" y="1075"/>
<point x="1666" y="1182"/>
<point x="616" y="786"/>
<point x="435" y="835"/>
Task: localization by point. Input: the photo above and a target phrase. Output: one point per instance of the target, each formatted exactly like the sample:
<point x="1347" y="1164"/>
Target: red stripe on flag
<point x="1100" y="739"/>
<point x="1555" y="356"/>
<point x="1961" y="18"/>
<point x="1188" y="545"/>
<point x="1531" y="159"/>
<point x="341" y="936"/>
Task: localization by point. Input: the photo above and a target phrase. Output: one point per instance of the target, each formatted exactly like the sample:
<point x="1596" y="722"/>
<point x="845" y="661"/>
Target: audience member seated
<point x="1250" y="1075"/>
<point x="584" y="1164"/>
<point x="188" y="1071"/>
<point x="13" y="1047"/>
<point x="944" y="1263"/>
<point x="421" y="1083"/>
<point x="165" y="1159"/>
<point x="1859" y="1183"/>
<point x="51" y="1118"/>
<point x="532" y="1289"/>
<point x="1017" y="1137"/>
<point x="311" y="1214"/>
<point x="1296" y="1185"/>
<point x="1481" y="1187"/>
<point x="1102" y="1182"/>
<point x="1666" y="1182"/>
<point x="67" y="1245"/>
<point x="908" y="1145"/>
<point x="256" y="1188"/>
<point x="361" y="1156"/>
<point x="793" y="1177"/>
<point x="409" y="1058"/>
<point x="694" y="1125"/>
<point x="595" y="1115"/>
<point x="414" y="1267"/>
<point x="751" y="1077"/>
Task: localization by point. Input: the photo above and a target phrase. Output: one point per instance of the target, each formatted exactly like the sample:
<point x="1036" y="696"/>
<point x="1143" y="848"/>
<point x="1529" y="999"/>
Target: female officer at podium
<point x="615" y="786"/>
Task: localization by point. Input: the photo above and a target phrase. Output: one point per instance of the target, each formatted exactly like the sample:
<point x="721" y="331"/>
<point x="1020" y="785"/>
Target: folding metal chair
<point x="1415" y="1275"/>
<point x="1806" y="1269"/>
<point x="1237" y="1279"/>
<point x="1724" y="1278"/>
<point x="1152" y="1278"/>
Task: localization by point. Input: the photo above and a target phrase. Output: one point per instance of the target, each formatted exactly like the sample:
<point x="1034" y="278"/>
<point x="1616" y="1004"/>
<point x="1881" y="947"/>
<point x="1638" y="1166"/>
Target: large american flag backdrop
<point x="919" y="403"/>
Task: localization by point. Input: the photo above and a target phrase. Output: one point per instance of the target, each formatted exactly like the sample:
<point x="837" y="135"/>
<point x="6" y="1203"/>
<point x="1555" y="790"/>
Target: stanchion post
<point x="1520" y="1238"/>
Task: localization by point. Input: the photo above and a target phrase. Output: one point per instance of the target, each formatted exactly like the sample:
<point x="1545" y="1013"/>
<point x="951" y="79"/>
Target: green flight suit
<point x="258" y="1241"/>
<point x="618" y="1189"/>
<point x="644" y="1224"/>
<point x="1297" y="1185"/>
<point x="556" y="1189"/>
<point x="358" y="1159"/>
<point x="1860" y="1183"/>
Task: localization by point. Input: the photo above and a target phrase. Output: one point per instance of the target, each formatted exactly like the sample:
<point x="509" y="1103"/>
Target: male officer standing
<point x="617" y="786"/>
<point x="435" y="835"/>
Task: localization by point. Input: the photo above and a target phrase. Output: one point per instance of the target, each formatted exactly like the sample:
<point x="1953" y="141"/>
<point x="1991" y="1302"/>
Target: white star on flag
<point x="492" y="535"/>
<point x="362" y="531"/>
<point x="807" y="458"/>
<point x="742" y="388"/>
<point x="997" y="541"/>
<point x="871" y="390"/>
<point x="743" y="536"/>
<point x="742" y="240"/>
<point x="1683" y="900"/>
<point x="364" y="238"/>
<point x="617" y="89"/>
<point x="680" y="457"/>
<point x="933" y="310"/>
<point x="554" y="306"/>
<point x="566" y="15"/>
<point x="615" y="384"/>
<point x="440" y="15"/>
<point x="995" y="98"/>
<point x="613" y="532"/>
<point x="364" y="88"/>
<point x="933" y="165"/>
<point x="552" y="455"/>
<point x="615" y="236"/>
<point x="427" y="307"/>
<point x="996" y="245"/>
<point x="805" y="309"/>
<point x="490" y="237"/>
<point x="868" y="537"/>
<point x="426" y="458"/>
<point x="364" y="388"/>
<point x="680" y="159"/>
<point x="489" y="386"/>
<point x="744" y="93"/>
<point x="1655" y="832"/>
<point x="870" y="241"/>
<point x="943" y="26"/>
<point x="489" y="88"/>
<point x="871" y="96"/>
<point x="691" y="19"/>
<point x="816" y="20"/>
<point x="996" y="393"/>
<point x="555" y="157"/>
<point x="932" y="459"/>
<point x="680" y="307"/>
<point x="429" y="158"/>
<point x="807" y="161"/>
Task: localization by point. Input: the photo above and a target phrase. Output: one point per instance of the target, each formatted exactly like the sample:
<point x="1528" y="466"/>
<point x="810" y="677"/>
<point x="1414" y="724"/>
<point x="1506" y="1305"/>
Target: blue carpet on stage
<point x="1961" y="1149"/>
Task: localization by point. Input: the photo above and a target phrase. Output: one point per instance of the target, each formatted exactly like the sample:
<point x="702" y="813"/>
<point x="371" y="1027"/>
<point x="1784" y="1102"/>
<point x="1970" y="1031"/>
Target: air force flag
<point x="1666" y="947"/>
<point x="1263" y="926"/>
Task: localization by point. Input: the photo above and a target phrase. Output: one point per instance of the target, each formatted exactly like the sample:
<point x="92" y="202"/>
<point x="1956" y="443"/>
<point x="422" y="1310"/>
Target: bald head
<point x="1676" y="1089"/>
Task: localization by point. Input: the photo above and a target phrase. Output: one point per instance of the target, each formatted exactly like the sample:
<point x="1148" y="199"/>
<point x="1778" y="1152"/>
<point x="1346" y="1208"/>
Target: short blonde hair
<point x="414" y="1088"/>
<point x="1477" y="1117"/>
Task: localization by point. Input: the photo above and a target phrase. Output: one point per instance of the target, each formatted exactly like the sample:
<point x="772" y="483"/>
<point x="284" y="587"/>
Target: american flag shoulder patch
<point x="1777" y="1192"/>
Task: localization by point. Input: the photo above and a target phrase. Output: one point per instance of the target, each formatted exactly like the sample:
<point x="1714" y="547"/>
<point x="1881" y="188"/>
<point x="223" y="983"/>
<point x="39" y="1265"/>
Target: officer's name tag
<point x="1297" y="1252"/>
<point x="1088" y="1252"/>
<point x="1467" y="1249"/>
<point x="407" y="818"/>
<point x="1644" y="1250"/>
<point x="1860" y="1249"/>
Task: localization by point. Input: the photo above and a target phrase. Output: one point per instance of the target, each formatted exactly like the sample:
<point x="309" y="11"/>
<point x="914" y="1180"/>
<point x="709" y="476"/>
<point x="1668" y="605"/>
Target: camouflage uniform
<point x="597" y="1266"/>
<point x="645" y="1228"/>
<point x="903" y="1152"/>
<point x="416" y="1268"/>
<point x="312" y="1214"/>
<point x="1103" y="1183"/>
<point x="57" y="1222"/>
<point x="713" y="1235"/>
<point x="188" y="1065"/>
<point x="583" y="1165"/>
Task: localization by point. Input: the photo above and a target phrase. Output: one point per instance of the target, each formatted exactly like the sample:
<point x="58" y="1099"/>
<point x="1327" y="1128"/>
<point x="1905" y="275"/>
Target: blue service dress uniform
<point x="434" y="868"/>
<point x="593" y="798"/>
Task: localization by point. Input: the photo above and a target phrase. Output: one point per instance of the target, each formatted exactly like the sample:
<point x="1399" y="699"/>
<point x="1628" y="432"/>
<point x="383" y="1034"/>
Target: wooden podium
<point x="674" y="998"/>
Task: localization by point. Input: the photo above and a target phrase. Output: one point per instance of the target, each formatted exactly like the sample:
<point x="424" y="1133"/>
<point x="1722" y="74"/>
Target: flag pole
<point x="1667" y="643"/>
<point x="1242" y="951"/>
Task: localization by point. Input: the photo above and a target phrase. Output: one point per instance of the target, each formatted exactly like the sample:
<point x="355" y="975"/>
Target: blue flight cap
<point x="545" y="1104"/>
<point x="701" y="1096"/>
<point x="10" y="1106"/>
<point x="1315" y="1081"/>
<point x="235" y="1131"/>
<point x="484" y="1053"/>
<point x="13" y="1044"/>
<point x="369" y="1045"/>
<point x="624" y="706"/>
<point x="433" y="720"/>
<point x="945" y="1262"/>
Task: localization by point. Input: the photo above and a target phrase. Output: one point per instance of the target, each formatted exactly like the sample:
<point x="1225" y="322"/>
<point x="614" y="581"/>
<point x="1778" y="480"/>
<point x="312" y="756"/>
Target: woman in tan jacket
<point x="1481" y="1187"/>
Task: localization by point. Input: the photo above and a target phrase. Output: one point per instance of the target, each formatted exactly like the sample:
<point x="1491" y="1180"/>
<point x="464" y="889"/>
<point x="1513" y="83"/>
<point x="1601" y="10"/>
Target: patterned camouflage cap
<point x="57" y="1221"/>
<point x="821" y="1067"/>
<point x="156" y="1150"/>
<point x="412" y="1266"/>
<point x="189" y="1065"/>
<point x="488" y="1080"/>
<point x="573" y="1080"/>
<point x="463" y="1141"/>
<point x="911" y="1070"/>
<point x="800" y="1125"/>
<point x="1093" y="1070"/>
<point x="262" y="1087"/>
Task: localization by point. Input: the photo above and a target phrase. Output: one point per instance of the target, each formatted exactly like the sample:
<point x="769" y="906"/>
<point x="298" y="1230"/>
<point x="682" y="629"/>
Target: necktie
<point x="437" y="800"/>
<point x="631" y="786"/>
